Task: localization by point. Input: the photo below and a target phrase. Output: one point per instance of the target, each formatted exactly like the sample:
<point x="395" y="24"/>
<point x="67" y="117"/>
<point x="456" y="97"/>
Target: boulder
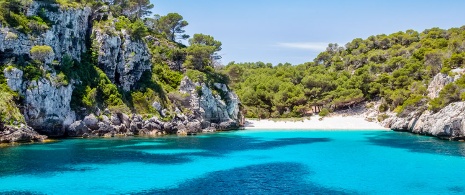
<point x="115" y="119"/>
<point x="77" y="129"/>
<point x="194" y="126"/>
<point x="22" y="133"/>
<point x="91" y="121"/>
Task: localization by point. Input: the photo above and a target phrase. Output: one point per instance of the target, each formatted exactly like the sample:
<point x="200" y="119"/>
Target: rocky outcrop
<point x="221" y="108"/>
<point x="14" y="78"/>
<point x="47" y="106"/>
<point x="448" y="123"/>
<point x="46" y="102"/>
<point x="66" y="36"/>
<point x="122" y="57"/>
<point x="438" y="82"/>
<point x="22" y="133"/>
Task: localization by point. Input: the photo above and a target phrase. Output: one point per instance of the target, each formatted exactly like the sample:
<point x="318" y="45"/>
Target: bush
<point x="9" y="112"/>
<point x="41" y="52"/>
<point x="32" y="72"/>
<point x="324" y="112"/>
<point x="61" y="79"/>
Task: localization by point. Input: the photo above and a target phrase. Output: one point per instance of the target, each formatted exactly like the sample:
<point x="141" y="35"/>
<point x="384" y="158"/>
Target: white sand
<point x="328" y="123"/>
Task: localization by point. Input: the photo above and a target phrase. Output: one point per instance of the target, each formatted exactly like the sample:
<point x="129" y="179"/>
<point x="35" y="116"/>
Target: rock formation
<point x="122" y="58"/>
<point x="46" y="102"/>
<point x="447" y="123"/>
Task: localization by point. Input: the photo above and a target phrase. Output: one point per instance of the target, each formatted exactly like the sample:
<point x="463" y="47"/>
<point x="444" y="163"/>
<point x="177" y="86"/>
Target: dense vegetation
<point x="93" y="90"/>
<point x="395" y="69"/>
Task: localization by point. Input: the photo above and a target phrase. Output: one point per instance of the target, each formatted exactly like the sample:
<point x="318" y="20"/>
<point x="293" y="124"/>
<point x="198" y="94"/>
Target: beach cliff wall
<point x="46" y="100"/>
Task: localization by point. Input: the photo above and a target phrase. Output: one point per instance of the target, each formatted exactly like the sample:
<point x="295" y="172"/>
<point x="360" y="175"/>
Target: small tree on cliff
<point x="41" y="52"/>
<point x="172" y="24"/>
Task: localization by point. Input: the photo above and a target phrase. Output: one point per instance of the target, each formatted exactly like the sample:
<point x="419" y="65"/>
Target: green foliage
<point x="396" y="68"/>
<point x="143" y="101"/>
<point x="324" y="112"/>
<point x="32" y="71"/>
<point x="9" y="111"/>
<point x="201" y="54"/>
<point x="41" y="52"/>
<point x="171" y="25"/>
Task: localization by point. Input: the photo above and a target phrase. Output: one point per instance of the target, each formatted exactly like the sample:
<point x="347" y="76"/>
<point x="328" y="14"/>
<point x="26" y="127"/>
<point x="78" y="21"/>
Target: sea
<point x="239" y="162"/>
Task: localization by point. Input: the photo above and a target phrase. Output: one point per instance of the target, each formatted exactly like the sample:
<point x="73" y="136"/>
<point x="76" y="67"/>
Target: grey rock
<point x="122" y="58"/>
<point x="14" y="78"/>
<point x="47" y="106"/>
<point x="438" y="82"/>
<point x="124" y="119"/>
<point x="194" y="126"/>
<point x="448" y="122"/>
<point x="105" y="127"/>
<point x="115" y="119"/>
<point x="91" y="121"/>
<point x="152" y="126"/>
<point x="157" y="106"/>
<point x="106" y="119"/>
<point x="66" y="37"/>
<point x="20" y="134"/>
<point x="229" y="125"/>
<point x="209" y="107"/>
<point x="77" y="129"/>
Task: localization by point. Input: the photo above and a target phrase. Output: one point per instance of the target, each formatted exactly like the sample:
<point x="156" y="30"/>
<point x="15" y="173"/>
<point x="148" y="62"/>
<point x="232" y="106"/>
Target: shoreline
<point x="349" y="123"/>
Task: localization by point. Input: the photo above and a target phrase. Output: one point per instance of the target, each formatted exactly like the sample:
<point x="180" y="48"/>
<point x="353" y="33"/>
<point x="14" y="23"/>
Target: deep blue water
<point x="240" y="162"/>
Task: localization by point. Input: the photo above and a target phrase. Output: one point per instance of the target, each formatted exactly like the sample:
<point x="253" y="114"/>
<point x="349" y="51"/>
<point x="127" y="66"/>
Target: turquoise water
<point x="240" y="162"/>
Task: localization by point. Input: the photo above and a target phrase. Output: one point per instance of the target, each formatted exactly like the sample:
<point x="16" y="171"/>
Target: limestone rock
<point x="20" y="134"/>
<point x="209" y="107"/>
<point x="438" y="82"/>
<point x="47" y="106"/>
<point x="194" y="126"/>
<point x="91" y="121"/>
<point x="448" y="122"/>
<point x="115" y="119"/>
<point x="122" y="58"/>
<point x="77" y="129"/>
<point x="66" y="37"/>
<point x="14" y="78"/>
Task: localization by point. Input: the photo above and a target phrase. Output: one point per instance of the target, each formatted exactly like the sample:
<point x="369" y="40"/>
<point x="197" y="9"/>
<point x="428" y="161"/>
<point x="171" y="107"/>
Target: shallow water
<point x="240" y="162"/>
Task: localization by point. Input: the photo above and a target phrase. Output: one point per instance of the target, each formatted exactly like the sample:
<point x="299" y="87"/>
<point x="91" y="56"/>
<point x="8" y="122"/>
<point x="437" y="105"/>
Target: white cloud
<point x="314" y="46"/>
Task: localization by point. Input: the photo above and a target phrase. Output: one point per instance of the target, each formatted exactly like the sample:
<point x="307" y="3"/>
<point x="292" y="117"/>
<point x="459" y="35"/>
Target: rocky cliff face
<point x="46" y="102"/>
<point x="67" y="36"/>
<point x="448" y="123"/>
<point x="122" y="58"/>
<point x="217" y="109"/>
<point x="209" y="113"/>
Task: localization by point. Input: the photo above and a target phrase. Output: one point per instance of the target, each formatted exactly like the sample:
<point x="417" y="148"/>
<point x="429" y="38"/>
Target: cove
<point x="239" y="162"/>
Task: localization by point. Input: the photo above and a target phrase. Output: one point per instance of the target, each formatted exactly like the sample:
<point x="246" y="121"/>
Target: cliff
<point x="447" y="123"/>
<point x="92" y="83"/>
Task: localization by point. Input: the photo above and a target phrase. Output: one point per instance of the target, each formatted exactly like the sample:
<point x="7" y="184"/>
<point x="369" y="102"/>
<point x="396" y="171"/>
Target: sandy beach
<point x="327" y="123"/>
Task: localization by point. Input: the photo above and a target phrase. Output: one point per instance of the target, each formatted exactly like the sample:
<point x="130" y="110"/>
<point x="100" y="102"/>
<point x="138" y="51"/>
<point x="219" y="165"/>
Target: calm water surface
<point x="241" y="162"/>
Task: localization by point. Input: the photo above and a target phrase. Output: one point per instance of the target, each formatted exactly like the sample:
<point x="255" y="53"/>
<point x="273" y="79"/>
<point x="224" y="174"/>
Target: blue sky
<point x="296" y="31"/>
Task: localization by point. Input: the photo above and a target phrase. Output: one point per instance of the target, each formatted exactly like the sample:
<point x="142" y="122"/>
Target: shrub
<point x="61" y="79"/>
<point x="324" y="112"/>
<point x="41" y="52"/>
<point x="32" y="72"/>
<point x="9" y="112"/>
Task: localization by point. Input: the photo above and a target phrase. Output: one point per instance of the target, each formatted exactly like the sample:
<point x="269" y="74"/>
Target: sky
<point x="296" y="31"/>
